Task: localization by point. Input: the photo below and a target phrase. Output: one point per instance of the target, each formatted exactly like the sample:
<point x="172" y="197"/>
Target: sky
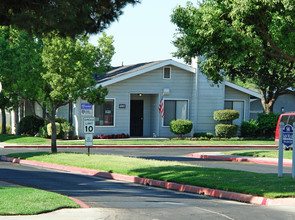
<point x="143" y="33"/>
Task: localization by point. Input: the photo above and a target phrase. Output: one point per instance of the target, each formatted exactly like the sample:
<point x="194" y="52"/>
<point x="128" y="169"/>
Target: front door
<point x="136" y="118"/>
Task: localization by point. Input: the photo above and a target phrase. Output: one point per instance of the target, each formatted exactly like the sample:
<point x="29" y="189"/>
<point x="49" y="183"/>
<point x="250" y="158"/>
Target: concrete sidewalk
<point x="221" y="156"/>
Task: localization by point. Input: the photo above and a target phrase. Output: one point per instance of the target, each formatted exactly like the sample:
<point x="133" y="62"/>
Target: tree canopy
<point x="54" y="70"/>
<point x="68" y="17"/>
<point x="245" y="39"/>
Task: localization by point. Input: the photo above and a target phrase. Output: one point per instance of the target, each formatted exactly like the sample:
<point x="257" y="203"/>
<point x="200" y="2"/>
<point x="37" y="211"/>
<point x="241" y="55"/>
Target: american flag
<point x="161" y="108"/>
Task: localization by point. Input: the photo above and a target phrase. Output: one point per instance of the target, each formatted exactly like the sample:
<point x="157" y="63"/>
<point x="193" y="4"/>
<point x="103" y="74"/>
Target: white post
<point x="281" y="150"/>
<point x="293" y="153"/>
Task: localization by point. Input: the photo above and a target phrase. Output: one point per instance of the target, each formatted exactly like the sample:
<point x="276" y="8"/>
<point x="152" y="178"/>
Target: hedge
<point x="181" y="127"/>
<point x="226" y="115"/>
<point x="226" y="130"/>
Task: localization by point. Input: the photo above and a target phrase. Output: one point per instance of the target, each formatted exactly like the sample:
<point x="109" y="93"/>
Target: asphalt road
<point x="121" y="200"/>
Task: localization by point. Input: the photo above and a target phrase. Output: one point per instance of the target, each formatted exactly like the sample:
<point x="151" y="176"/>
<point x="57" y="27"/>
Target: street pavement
<point x="117" y="202"/>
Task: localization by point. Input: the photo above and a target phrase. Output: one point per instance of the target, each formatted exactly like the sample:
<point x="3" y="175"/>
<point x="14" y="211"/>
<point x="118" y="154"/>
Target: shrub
<point x="181" y="127"/>
<point x="204" y="135"/>
<point x="30" y="125"/>
<point x="267" y="123"/>
<point x="43" y="132"/>
<point x="226" y="115"/>
<point x="49" y="129"/>
<point x="250" y="128"/>
<point x="226" y="130"/>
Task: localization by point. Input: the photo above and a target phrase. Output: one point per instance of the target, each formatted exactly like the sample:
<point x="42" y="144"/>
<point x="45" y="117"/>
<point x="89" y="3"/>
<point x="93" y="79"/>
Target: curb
<point x="256" y="200"/>
<point x="239" y="159"/>
<point x="142" y="146"/>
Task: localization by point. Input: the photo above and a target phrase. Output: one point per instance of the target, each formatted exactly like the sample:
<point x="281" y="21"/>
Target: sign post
<point x="293" y="154"/>
<point x="89" y="131"/>
<point x="281" y="151"/>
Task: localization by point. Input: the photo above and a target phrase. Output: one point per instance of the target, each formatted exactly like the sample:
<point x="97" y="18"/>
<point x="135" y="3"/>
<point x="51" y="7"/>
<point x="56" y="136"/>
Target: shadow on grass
<point x="229" y="180"/>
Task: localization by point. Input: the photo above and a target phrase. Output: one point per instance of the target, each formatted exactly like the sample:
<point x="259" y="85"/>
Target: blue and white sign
<point x="288" y="135"/>
<point x="86" y="109"/>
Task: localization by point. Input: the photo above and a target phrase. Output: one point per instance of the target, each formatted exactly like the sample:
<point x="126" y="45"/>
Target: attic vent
<point x="167" y="73"/>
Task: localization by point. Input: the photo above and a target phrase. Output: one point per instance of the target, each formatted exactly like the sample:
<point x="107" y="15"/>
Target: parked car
<point x="287" y="118"/>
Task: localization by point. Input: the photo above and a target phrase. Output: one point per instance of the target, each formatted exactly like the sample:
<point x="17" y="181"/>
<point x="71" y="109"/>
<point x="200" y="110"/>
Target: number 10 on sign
<point x="89" y="125"/>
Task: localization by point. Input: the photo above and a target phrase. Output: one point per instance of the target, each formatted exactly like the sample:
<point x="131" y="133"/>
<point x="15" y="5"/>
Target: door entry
<point x="136" y="118"/>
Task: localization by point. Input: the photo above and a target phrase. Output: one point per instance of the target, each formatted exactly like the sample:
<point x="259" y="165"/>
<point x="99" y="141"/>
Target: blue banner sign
<point x="86" y="106"/>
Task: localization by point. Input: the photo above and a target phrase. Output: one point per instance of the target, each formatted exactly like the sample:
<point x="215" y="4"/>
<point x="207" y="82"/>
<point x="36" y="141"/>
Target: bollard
<point x="281" y="150"/>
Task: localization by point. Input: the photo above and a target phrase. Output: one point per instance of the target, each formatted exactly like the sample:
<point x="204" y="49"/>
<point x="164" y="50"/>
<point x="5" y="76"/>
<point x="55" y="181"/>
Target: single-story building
<point x="136" y="91"/>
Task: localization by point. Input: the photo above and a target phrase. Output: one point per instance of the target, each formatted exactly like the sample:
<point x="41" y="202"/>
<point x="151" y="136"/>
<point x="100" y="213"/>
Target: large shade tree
<point x="69" y="17"/>
<point x="57" y="70"/>
<point x="257" y="43"/>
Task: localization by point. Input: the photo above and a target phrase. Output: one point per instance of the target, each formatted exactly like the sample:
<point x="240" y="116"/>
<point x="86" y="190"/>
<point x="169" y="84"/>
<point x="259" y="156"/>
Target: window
<point x="175" y="109"/>
<point x="104" y="114"/>
<point x="167" y="73"/>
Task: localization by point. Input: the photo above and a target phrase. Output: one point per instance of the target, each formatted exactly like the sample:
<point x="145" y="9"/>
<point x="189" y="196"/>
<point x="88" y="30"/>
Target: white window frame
<point x="108" y="126"/>
<point x="237" y="100"/>
<point x="167" y="67"/>
<point x="175" y="99"/>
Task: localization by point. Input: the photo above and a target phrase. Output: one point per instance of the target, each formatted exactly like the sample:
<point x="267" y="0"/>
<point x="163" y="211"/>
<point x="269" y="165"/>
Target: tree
<point x="222" y="32"/>
<point x="20" y="63"/>
<point x="69" y="17"/>
<point x="54" y="71"/>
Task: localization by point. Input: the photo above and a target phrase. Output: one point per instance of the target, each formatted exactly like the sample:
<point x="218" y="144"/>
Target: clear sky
<point x="144" y="32"/>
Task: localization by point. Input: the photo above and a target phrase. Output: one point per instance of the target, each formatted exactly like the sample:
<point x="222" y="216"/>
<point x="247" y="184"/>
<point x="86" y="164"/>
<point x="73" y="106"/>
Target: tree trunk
<point x="53" y="135"/>
<point x="3" y="121"/>
<point x="16" y="120"/>
<point x="267" y="103"/>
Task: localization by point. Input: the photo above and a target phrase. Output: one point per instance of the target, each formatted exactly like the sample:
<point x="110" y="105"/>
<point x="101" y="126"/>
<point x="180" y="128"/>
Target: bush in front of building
<point x="8" y="128"/>
<point x="226" y="130"/>
<point x="203" y="135"/>
<point x="49" y="129"/>
<point x="250" y="128"/>
<point x="181" y="127"/>
<point x="267" y="124"/>
<point x="227" y="115"/>
<point x="30" y="125"/>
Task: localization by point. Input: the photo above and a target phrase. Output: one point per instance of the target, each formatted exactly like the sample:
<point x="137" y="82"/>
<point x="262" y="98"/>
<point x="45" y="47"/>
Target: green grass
<point x="260" y="153"/>
<point x="26" y="140"/>
<point x="266" y="185"/>
<point x="30" y="201"/>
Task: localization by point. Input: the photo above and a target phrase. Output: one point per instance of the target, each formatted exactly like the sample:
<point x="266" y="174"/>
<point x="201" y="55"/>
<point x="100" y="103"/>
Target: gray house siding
<point x="210" y="98"/>
<point x="151" y="86"/>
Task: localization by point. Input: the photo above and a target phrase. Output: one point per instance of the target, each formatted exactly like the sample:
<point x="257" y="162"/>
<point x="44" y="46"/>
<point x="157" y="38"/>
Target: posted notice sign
<point x="288" y="135"/>
<point x="86" y="109"/>
<point x="88" y="140"/>
<point x="89" y="125"/>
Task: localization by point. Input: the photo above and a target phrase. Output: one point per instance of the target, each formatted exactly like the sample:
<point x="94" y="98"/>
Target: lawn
<point x="260" y="153"/>
<point x="22" y="139"/>
<point x="30" y="201"/>
<point x="25" y="140"/>
<point x="266" y="185"/>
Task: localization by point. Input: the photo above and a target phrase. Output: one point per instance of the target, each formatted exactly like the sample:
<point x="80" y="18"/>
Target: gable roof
<point x="117" y="74"/>
<point x="244" y="90"/>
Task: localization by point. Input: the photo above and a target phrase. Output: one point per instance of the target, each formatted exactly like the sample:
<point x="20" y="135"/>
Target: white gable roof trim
<point x="242" y="89"/>
<point x="142" y="71"/>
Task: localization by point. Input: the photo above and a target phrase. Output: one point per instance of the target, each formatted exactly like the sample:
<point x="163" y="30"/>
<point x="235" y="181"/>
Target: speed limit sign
<point x="88" y="125"/>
